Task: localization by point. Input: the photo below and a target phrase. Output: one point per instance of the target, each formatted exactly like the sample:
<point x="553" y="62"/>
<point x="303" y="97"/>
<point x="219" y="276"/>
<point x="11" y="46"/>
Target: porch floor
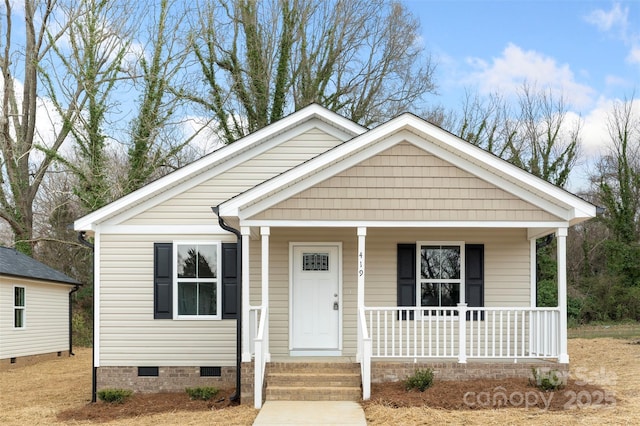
<point x="308" y="359"/>
<point x="352" y="359"/>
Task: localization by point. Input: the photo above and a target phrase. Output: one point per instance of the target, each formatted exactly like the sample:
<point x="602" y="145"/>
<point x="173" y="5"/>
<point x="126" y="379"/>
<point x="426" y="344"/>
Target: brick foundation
<point x="246" y="382"/>
<point x="169" y="379"/>
<point x="22" y="361"/>
<point x="393" y="371"/>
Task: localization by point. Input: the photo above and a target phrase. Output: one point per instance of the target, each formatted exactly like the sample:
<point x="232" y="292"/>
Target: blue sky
<point x="588" y="51"/>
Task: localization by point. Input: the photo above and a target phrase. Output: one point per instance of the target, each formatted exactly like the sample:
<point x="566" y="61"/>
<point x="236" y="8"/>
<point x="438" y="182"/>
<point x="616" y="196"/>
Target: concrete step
<point x="313" y="367"/>
<point x="313" y="381"/>
<point x="346" y="379"/>
<point x="316" y="393"/>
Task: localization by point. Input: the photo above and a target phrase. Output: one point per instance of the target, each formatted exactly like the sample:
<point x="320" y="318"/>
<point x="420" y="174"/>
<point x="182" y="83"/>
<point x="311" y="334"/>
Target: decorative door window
<point x="315" y="261"/>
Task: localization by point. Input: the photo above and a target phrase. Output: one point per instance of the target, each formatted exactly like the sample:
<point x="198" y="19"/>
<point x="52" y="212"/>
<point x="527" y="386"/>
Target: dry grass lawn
<point x="34" y="395"/>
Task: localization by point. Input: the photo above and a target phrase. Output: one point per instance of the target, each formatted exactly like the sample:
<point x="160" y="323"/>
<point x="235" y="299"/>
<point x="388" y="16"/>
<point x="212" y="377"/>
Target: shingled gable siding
<point x="46" y="318"/>
<point x="129" y="334"/>
<point x="405" y="183"/>
<point x="506" y="270"/>
<point x="194" y="206"/>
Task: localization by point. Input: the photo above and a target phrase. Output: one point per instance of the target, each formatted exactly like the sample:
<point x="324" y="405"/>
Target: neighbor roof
<point x="17" y="264"/>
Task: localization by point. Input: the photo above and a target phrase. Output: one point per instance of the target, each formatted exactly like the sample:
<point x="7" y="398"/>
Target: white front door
<point x="316" y="302"/>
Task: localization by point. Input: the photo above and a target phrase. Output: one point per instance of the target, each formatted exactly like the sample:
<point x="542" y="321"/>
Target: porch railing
<point x="261" y="351"/>
<point x="462" y="332"/>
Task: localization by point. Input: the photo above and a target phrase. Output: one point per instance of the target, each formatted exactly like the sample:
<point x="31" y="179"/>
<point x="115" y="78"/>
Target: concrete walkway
<point x="311" y="413"/>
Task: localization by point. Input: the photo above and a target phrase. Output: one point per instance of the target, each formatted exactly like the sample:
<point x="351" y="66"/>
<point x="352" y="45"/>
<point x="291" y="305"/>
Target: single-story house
<point x="35" y="310"/>
<point x="317" y="240"/>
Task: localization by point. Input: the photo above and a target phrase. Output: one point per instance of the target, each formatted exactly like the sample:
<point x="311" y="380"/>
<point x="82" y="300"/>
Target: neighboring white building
<point x="34" y="309"/>
<point x="395" y="246"/>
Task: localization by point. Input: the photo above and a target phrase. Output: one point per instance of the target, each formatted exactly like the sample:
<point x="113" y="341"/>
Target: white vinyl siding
<point x="193" y="206"/>
<point x="506" y="256"/>
<point x="46" y="326"/>
<point x="506" y="271"/>
<point x="129" y="335"/>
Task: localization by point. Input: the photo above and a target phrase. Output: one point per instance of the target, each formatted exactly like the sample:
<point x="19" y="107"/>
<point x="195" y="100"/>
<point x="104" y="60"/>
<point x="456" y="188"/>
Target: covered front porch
<point x="498" y="338"/>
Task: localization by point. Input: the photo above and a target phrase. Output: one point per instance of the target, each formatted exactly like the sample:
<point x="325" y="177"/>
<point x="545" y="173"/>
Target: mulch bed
<point x="143" y="404"/>
<point x="448" y="395"/>
<point x="491" y="394"/>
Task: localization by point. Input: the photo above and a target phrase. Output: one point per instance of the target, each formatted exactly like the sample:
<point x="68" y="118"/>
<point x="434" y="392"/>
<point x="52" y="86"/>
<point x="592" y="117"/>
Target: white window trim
<point x="419" y="279"/>
<point x="23" y="308"/>
<point x="218" y="281"/>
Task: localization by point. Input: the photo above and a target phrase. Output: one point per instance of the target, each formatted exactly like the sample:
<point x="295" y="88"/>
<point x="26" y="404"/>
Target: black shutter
<point x="406" y="276"/>
<point x="162" y="281"/>
<point x="474" y="278"/>
<point x="229" y="280"/>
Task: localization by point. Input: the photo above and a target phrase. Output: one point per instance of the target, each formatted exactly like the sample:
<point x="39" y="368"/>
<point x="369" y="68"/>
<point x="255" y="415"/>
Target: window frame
<point x="217" y="280"/>
<point x="20" y="308"/>
<point x="419" y="280"/>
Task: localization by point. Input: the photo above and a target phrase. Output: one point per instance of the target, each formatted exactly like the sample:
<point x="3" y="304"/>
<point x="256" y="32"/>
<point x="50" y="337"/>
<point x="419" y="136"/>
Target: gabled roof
<point x="408" y="127"/>
<point x="16" y="264"/>
<point x="242" y="147"/>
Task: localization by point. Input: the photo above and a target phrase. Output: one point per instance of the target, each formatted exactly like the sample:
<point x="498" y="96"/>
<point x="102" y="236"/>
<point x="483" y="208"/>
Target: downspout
<point x="94" y="376"/>
<point x="216" y="210"/>
<point x="75" y="288"/>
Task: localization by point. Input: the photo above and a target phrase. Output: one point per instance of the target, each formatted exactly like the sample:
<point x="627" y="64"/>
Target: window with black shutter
<point x="192" y="277"/>
<point x="442" y="271"/>
<point x="229" y="280"/>
<point x="163" y="281"/>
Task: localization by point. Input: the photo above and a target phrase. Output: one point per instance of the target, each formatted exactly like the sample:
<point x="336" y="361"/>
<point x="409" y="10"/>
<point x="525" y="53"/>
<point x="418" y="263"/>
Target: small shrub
<point x="421" y="380"/>
<point x="203" y="393"/>
<point x="114" y="396"/>
<point x="546" y="380"/>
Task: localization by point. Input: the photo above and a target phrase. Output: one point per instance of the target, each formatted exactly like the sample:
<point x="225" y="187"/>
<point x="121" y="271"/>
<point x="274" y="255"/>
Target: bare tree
<point x="22" y="166"/>
<point x="487" y="123"/>
<point x="156" y="133"/>
<point x="260" y="60"/>
<point x="547" y="145"/>
<point x="91" y="63"/>
<point x="618" y="174"/>
<point x="535" y="134"/>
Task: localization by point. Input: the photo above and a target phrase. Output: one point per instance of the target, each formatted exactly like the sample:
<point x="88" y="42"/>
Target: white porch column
<point x="462" y="333"/>
<point x="265" y="231"/>
<point x="561" y="236"/>
<point x="533" y="292"/>
<point x="362" y="234"/>
<point x="246" y="320"/>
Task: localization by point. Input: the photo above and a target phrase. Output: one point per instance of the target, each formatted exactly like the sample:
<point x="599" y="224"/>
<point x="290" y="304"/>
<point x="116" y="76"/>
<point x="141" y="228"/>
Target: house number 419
<point x="360" y="264"/>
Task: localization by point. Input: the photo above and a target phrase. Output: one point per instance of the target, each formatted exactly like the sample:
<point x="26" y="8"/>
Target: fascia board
<point x="430" y="138"/>
<point x="541" y="227"/>
<point x="420" y="134"/>
<point x="338" y="125"/>
<point x="223" y="166"/>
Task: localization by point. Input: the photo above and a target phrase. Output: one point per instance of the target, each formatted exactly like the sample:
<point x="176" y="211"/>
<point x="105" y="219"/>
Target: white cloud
<point x="616" y="81"/>
<point x="634" y="55"/>
<point x="616" y="22"/>
<point x="616" y="18"/>
<point x="507" y="73"/>
<point x="595" y="135"/>
<point x="595" y="131"/>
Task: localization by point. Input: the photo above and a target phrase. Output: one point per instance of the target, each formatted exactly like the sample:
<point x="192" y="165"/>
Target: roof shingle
<point x="17" y="264"/>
